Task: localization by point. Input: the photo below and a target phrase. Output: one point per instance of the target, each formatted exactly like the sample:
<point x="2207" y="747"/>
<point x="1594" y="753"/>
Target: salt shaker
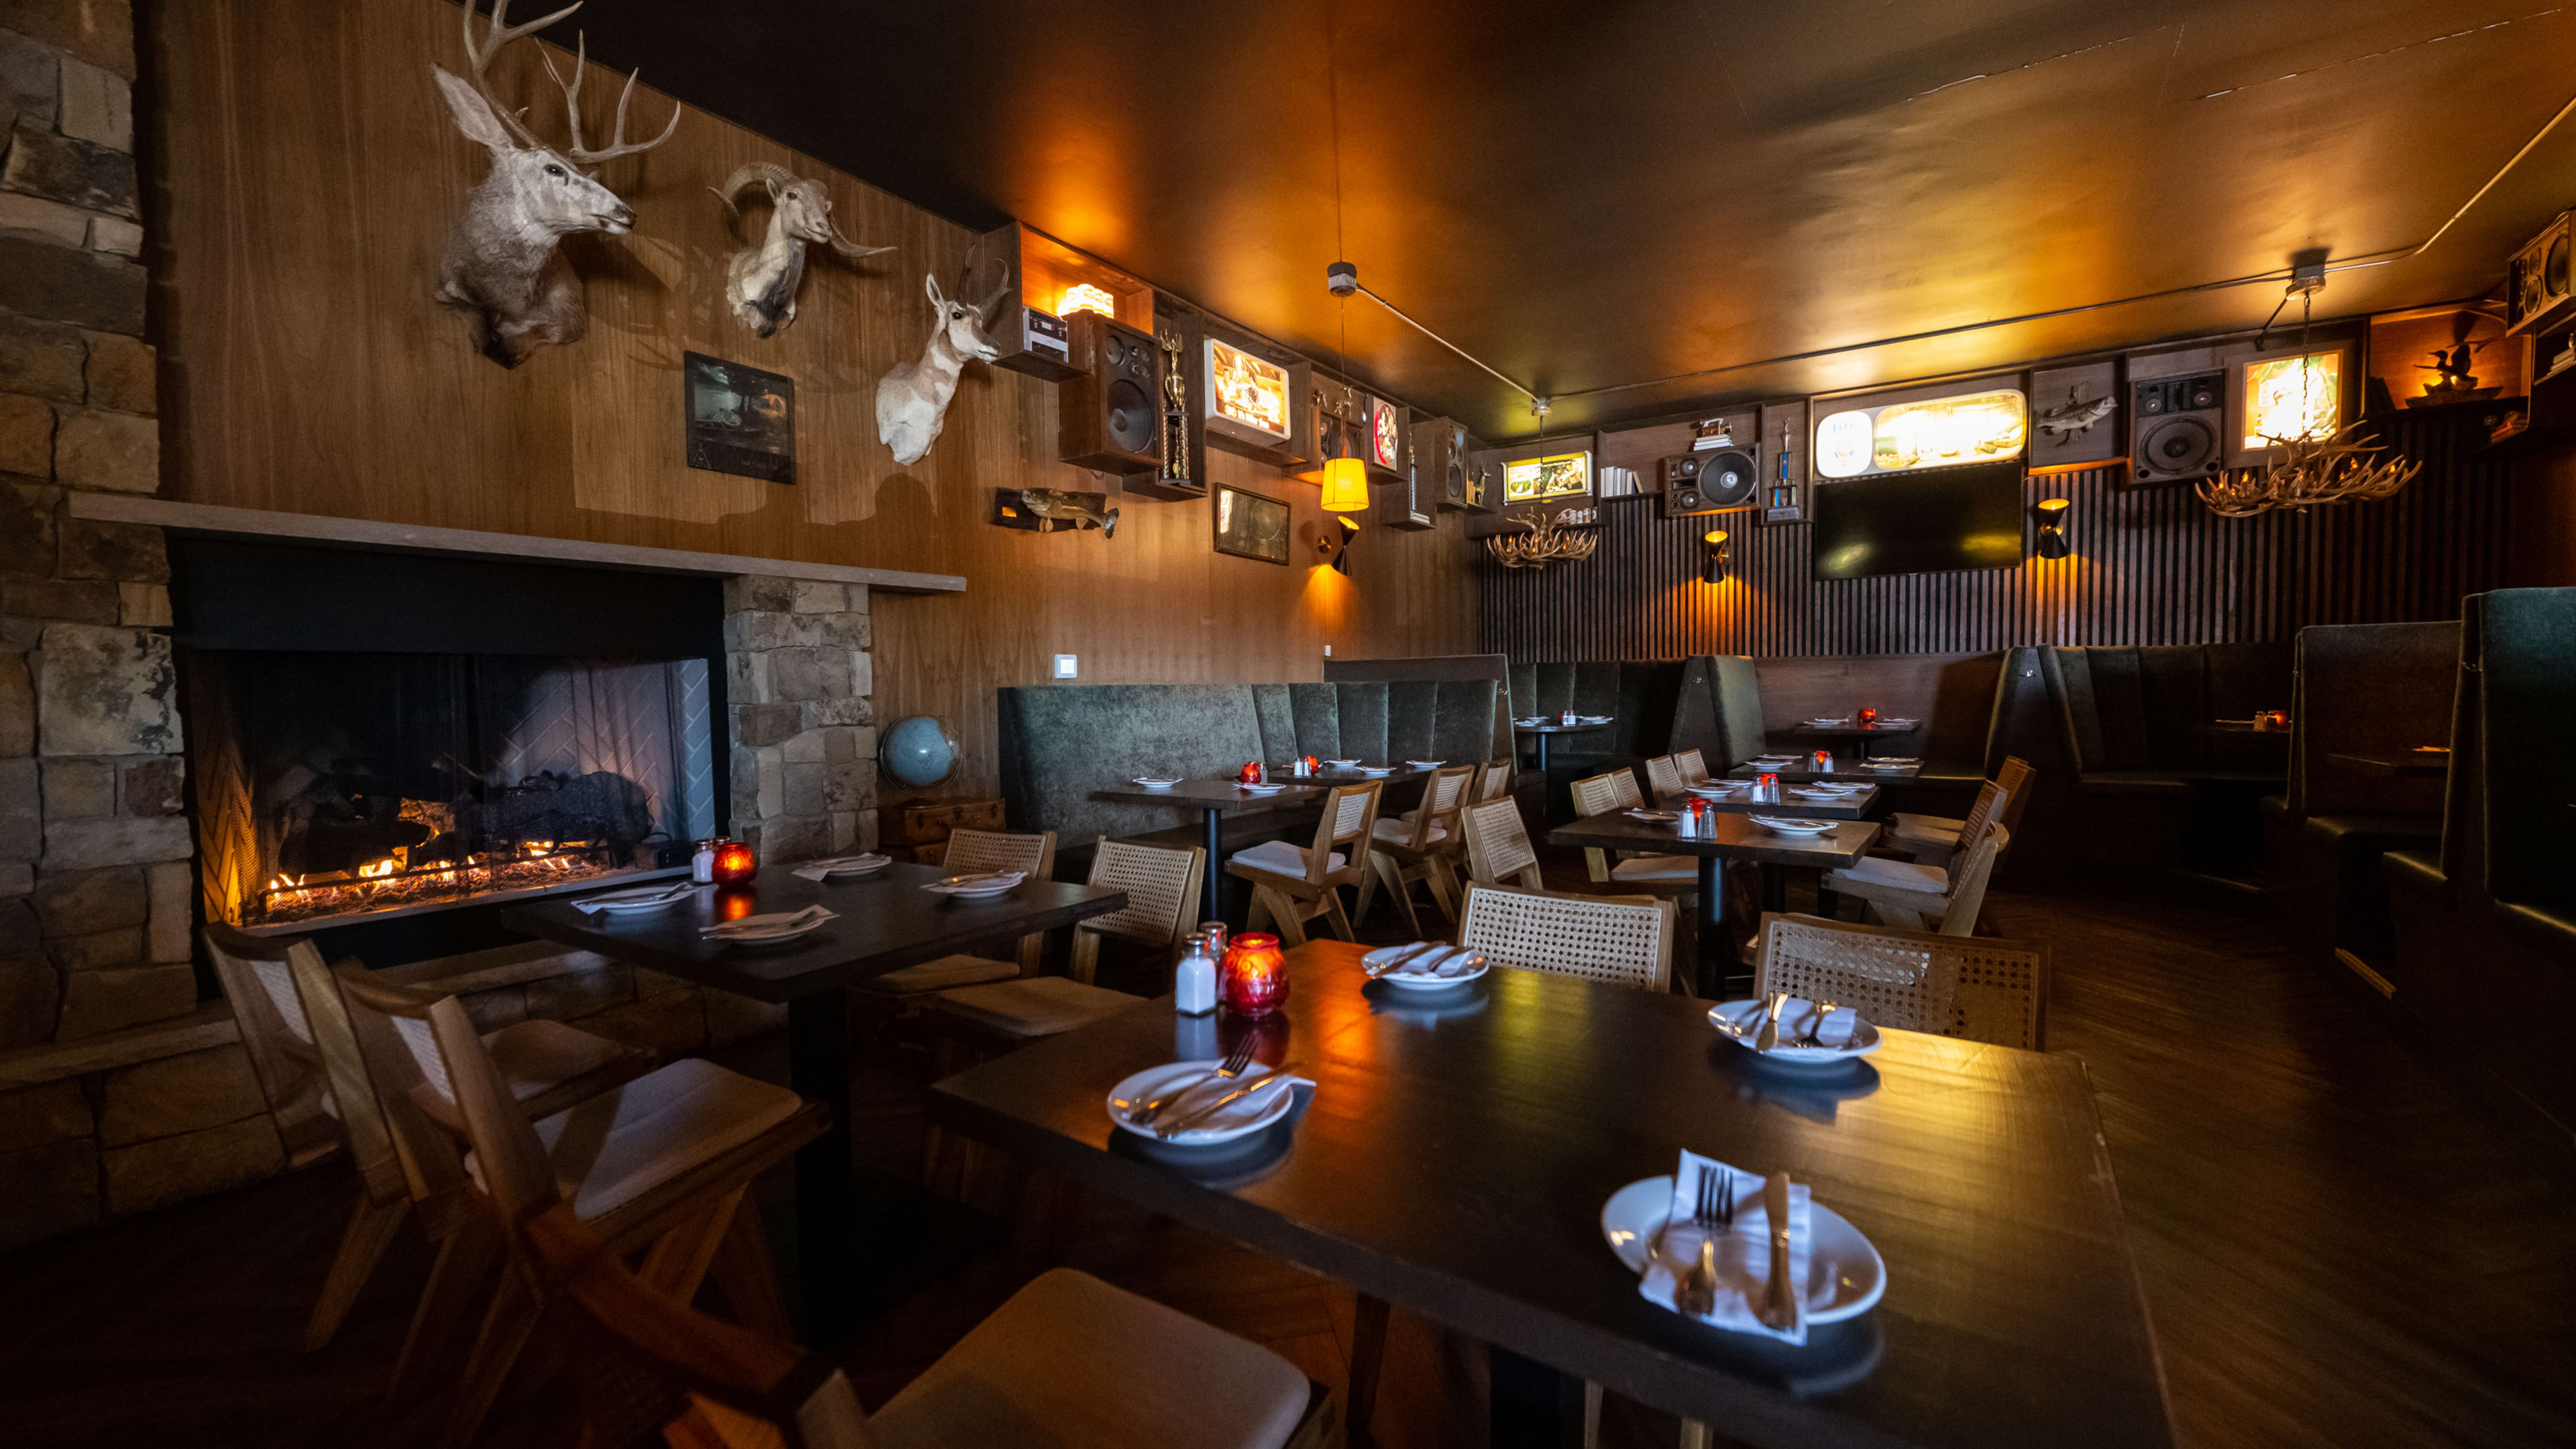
<point x="1194" y="981"/>
<point x="702" y="865"/>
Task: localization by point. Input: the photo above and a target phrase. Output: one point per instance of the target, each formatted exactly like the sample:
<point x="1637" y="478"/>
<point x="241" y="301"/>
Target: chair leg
<point x="1378" y="869"/>
<point x="1335" y="917"/>
<point x="1255" y="914"/>
<point x="1391" y="871"/>
<point x="1442" y="873"/>
<point x="1694" y="1434"/>
<point x="464" y="1261"/>
<point x="506" y="1326"/>
<point x="750" y="1281"/>
<point x="371" y="1229"/>
<point x="1591" y="1415"/>
<point x="1289" y="926"/>
<point x="1368" y="1357"/>
<point x="677" y="1262"/>
<point x="1085" y="963"/>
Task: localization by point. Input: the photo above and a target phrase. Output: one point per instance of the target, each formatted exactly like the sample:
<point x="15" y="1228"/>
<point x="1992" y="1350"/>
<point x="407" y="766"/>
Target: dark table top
<point x="1737" y="838"/>
<point x="2413" y="763"/>
<point x="1855" y="731"/>
<point x="2242" y="727"/>
<point x="1849" y="807"/>
<point x="1454" y="1159"/>
<point x="887" y="921"/>
<point x="1844" y="770"/>
<point x="1552" y="728"/>
<point x="1228" y="797"/>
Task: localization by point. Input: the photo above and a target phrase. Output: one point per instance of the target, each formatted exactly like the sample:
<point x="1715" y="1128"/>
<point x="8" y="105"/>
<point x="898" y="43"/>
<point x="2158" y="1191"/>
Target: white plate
<point x="1377" y="769"/>
<point x="1737" y="1022"/>
<point x="1810" y="792"/>
<point x="857" y="865"/>
<point x="1782" y="826"/>
<point x="763" y="930"/>
<point x="1237" y="1119"/>
<point x="645" y="899"/>
<point x="1261" y="789"/>
<point x="1426" y="764"/>
<point x="1592" y="719"/>
<point x="1830" y="723"/>
<point x="1343" y="764"/>
<point x="1775" y="759"/>
<point x="1426" y="970"/>
<point x="1660" y="817"/>
<point x="975" y="891"/>
<point x="1151" y="783"/>
<point x="1845" y="1275"/>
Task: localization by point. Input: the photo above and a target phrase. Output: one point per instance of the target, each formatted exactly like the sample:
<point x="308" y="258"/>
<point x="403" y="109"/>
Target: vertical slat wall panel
<point x="2150" y="566"/>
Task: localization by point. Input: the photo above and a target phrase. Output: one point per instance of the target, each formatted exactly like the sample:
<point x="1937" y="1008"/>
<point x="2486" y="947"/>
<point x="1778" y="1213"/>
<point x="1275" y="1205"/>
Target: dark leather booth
<point x="1709" y="703"/>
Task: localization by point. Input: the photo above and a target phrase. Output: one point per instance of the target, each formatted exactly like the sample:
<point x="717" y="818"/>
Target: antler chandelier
<point x="1547" y="543"/>
<point x="2309" y="472"/>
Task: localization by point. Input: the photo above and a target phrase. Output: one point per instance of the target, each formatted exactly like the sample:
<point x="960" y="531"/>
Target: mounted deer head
<point x="761" y="281"/>
<point x="912" y="400"/>
<point x="502" y="269"/>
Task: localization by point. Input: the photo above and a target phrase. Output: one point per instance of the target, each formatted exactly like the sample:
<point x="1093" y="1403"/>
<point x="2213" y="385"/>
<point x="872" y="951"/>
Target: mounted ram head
<point x="761" y="281"/>
<point x="503" y="267"/>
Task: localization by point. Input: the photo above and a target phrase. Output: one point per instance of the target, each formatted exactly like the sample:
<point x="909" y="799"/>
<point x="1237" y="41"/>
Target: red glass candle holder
<point x="1824" y="758"/>
<point x="1250" y="774"/>
<point x="734" y="862"/>
<point x="1868" y="717"/>
<point x="1253" y="977"/>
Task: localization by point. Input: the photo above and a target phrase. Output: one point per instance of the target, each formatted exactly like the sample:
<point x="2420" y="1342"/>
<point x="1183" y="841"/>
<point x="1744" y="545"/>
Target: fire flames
<point x="390" y="882"/>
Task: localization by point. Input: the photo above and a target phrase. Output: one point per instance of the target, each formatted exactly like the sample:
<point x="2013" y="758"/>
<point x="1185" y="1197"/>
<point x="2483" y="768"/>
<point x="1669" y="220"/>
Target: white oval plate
<point x="1414" y="978"/>
<point x="1659" y="817"/>
<point x="839" y="872"/>
<point x="1780" y="826"/>
<point x="1426" y="764"/>
<point x="1238" y="1119"/>
<point x="1845" y="1275"/>
<point x="972" y="893"/>
<point x="616" y="907"/>
<point x="1153" y="784"/>
<point x="768" y="937"/>
<point x="1735" y="1021"/>
<point x="1261" y="789"/>
<point x="1343" y="764"/>
<point x="1377" y="769"/>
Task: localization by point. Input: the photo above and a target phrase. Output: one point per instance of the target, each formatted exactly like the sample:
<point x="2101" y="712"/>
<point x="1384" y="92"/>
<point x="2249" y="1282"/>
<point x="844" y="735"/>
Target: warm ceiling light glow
<point x="1346" y="487"/>
<point x="1084" y="297"/>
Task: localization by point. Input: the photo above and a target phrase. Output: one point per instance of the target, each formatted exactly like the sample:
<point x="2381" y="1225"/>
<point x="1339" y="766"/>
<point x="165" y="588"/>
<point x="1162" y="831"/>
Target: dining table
<point x="1801" y="770"/>
<point x="2421" y="763"/>
<point x="1734" y="837"/>
<point x="1858" y="804"/>
<point x="1547" y="730"/>
<point x="1216" y="799"/>
<point x="882" y="922"/>
<point x="1456" y="1152"/>
<point x="1859" y="734"/>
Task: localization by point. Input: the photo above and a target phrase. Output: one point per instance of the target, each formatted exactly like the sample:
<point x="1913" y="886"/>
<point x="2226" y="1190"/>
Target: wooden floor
<point x="2334" y="1249"/>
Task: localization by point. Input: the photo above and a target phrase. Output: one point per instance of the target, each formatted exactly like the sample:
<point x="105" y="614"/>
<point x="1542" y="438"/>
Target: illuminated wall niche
<point x="1247" y="398"/>
<point x="1976" y="427"/>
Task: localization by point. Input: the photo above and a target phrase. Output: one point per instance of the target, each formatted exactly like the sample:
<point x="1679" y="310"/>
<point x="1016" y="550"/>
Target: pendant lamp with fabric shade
<point x="1346" y="488"/>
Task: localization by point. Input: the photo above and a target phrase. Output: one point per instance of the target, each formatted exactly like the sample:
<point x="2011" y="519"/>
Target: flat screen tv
<point x="1936" y="520"/>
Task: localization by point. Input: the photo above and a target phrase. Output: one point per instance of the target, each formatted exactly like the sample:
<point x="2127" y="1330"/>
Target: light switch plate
<point x="1064" y="666"/>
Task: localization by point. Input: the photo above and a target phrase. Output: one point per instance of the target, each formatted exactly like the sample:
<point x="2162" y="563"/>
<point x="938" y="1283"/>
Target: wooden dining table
<point x="1736" y="837"/>
<point x="1858" y="805"/>
<point x="1456" y="1151"/>
<point x="1216" y="799"/>
<point x="886" y="922"/>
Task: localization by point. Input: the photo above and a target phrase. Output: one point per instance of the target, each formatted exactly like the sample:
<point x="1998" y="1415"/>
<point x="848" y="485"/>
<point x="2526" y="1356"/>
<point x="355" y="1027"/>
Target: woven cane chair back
<point x="1694" y="768"/>
<point x="1032" y="855"/>
<point x="1625" y="940"/>
<point x="1595" y="795"/>
<point x="1496" y="781"/>
<point x="1498" y="845"/>
<point x="1162" y="886"/>
<point x="1970" y="987"/>
<point x="1624" y="780"/>
<point x="1665" y="774"/>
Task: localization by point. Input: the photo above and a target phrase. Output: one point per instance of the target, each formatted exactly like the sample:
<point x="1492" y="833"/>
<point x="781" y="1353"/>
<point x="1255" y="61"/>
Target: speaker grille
<point x="1132" y="417"/>
<point x="2178" y="446"/>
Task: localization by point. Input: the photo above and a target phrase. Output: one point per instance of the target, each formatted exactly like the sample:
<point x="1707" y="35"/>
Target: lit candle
<point x="1253" y="978"/>
<point x="734" y="862"/>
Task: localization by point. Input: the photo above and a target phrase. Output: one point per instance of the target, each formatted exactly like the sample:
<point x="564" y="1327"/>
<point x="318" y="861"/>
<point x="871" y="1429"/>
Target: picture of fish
<point x="2075" y="417"/>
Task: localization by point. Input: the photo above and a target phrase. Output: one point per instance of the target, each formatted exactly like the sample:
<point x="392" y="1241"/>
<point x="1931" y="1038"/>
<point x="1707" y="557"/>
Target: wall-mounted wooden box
<point x="1043" y="273"/>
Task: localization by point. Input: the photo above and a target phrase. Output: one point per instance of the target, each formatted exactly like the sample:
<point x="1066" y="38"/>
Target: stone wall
<point x="798" y="674"/>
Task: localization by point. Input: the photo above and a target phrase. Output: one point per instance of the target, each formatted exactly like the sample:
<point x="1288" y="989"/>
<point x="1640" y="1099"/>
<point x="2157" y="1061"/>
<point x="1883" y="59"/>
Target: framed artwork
<point x="1385" y="435"/>
<point x="1974" y="427"/>
<point x="738" y="419"/>
<point x="1558" y="475"/>
<point x="1247" y="398"/>
<point x="2271" y="400"/>
<point x="1251" y="525"/>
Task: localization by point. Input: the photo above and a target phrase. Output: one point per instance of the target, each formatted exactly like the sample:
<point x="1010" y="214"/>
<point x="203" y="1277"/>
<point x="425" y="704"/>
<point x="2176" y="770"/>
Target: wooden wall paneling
<point x="2150" y="566"/>
<point x="304" y="176"/>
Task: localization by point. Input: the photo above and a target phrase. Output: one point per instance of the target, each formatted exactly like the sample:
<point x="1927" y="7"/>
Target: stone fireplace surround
<point x="150" y="1099"/>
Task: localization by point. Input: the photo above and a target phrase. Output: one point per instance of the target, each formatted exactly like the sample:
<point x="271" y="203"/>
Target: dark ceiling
<point x="1595" y="194"/>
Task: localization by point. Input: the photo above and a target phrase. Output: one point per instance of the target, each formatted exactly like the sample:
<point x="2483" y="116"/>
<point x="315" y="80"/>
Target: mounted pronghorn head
<point x="501" y="268"/>
<point x="912" y="400"/>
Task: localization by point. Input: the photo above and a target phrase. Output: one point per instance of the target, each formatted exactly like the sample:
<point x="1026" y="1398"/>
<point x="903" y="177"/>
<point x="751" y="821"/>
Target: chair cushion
<point x="1401" y="831"/>
<point x="1930" y="829"/>
<point x="1070" y="1361"/>
<point x="943" y="974"/>
<point x="1033" y="1007"/>
<point x="1281" y="857"/>
<point x="535" y="1057"/>
<point x="1905" y="875"/>
<point x="633" y="1138"/>
<point x="1656" y="867"/>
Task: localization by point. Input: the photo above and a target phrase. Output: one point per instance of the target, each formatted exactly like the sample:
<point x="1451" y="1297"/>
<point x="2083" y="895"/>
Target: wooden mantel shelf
<point x="364" y="533"/>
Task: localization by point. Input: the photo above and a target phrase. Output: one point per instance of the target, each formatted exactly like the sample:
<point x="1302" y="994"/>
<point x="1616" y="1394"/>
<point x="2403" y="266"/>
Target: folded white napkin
<point x="822" y="869"/>
<point x="1743" y="1257"/>
<point x="1798" y="1020"/>
<point x="591" y="905"/>
<point x="774" y="921"/>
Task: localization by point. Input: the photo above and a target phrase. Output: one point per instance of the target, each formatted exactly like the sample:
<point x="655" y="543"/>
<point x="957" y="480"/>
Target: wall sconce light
<point x="1333" y="543"/>
<point x="1712" y="552"/>
<point x="2052" y="527"/>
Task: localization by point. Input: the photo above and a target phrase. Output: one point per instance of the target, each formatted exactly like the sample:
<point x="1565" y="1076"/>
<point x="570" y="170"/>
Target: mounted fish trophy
<point x="1045" y="510"/>
<point x="912" y="400"/>
<point x="761" y="281"/>
<point x="503" y="268"/>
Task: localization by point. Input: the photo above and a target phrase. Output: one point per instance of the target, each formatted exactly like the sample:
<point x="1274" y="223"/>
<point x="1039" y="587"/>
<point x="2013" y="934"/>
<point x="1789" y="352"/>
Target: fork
<point x="1713" y="1214"/>
<point x="1816" y="1026"/>
<point x="1235" y="1061"/>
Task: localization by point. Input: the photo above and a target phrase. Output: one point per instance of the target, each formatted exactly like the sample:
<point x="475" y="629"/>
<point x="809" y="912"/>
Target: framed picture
<point x="2272" y="399"/>
<point x="1382" y="438"/>
<point x="739" y="419"/>
<point x="1558" y="475"/>
<point x="1251" y="525"/>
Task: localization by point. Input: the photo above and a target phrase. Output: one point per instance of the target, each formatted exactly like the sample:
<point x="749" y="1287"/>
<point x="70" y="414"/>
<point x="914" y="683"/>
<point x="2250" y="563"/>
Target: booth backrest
<point x="1059" y="743"/>
<point x="1709" y="703"/>
<point x="2369" y="689"/>
<point x="2464" y="832"/>
<point x="2527" y="663"/>
<point x="1443" y="667"/>
<point x="2144" y="708"/>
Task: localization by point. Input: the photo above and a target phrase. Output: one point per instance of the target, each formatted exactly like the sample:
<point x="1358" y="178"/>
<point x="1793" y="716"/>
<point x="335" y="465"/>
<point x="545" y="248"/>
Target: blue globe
<point x="918" y="752"/>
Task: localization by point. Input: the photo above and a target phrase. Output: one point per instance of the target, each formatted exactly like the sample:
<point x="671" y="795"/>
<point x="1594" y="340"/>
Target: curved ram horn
<point x="768" y="173"/>
<point x="847" y="247"/>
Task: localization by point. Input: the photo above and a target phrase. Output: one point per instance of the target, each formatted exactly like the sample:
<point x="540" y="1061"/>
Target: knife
<point x="1770" y="1036"/>
<point x="1779" y="1298"/>
<point x="1169" y="1130"/>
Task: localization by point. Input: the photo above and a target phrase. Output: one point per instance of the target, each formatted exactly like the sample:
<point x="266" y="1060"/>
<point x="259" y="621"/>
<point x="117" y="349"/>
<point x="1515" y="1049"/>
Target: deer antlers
<point x="1548" y="542"/>
<point x="500" y="33"/>
<point x="2310" y="472"/>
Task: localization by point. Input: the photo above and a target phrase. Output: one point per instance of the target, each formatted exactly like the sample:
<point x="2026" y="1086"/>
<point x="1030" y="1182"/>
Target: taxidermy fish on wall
<point x="761" y="281"/>
<point x="504" y="270"/>
<point x="912" y="400"/>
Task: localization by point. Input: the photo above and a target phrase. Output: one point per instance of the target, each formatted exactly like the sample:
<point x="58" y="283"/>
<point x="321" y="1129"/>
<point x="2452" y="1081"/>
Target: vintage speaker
<point x="1440" y="449"/>
<point x="2537" y="291"/>
<point x="2177" y="428"/>
<point x="1722" y="480"/>
<point x="1110" y="415"/>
